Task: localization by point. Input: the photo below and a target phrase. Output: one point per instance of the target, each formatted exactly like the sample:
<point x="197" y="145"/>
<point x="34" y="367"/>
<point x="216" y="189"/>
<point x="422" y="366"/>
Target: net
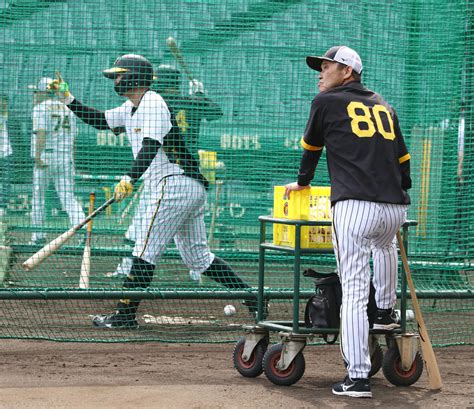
<point x="248" y="57"/>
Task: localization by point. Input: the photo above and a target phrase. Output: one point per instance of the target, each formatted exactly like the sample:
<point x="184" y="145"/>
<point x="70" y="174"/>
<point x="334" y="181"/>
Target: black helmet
<point x="167" y="77"/>
<point x="136" y="72"/>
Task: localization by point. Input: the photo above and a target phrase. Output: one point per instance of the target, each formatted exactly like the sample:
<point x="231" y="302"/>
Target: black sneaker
<point x="386" y="319"/>
<point x="252" y="305"/>
<point x="115" y="320"/>
<point x="355" y="388"/>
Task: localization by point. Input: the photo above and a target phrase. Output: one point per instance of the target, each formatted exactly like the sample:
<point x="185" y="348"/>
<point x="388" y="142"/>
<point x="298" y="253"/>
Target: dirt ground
<point x="42" y="374"/>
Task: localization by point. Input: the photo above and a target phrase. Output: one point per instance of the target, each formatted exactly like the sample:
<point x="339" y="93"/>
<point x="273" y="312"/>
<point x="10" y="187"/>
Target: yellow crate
<point x="307" y="204"/>
<point x="208" y="164"/>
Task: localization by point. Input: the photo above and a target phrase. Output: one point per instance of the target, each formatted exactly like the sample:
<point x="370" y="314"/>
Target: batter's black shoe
<point x="116" y="320"/>
<point x="386" y="320"/>
<point x="355" y="388"/>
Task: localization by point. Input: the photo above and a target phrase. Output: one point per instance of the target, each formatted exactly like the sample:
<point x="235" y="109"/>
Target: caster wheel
<point x="253" y="367"/>
<point x="376" y="359"/>
<point x="287" y="377"/>
<point x="393" y="371"/>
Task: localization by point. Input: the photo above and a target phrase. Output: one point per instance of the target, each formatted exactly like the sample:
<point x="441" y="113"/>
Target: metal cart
<point x="283" y="363"/>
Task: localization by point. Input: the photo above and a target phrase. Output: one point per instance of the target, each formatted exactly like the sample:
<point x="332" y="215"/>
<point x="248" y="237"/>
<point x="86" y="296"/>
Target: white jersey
<point x="151" y="119"/>
<point x="59" y="123"/>
<point x="5" y="147"/>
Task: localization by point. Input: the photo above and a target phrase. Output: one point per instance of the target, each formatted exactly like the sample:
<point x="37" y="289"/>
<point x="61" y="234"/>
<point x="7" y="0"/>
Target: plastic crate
<point x="208" y="164"/>
<point x="307" y="204"/>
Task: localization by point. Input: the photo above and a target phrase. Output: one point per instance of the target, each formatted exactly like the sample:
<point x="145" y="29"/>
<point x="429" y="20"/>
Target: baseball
<point x="410" y="315"/>
<point x="170" y="41"/>
<point x="229" y="310"/>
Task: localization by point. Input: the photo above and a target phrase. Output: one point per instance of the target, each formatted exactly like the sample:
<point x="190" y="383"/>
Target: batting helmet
<point x="136" y="72"/>
<point x="168" y="77"/>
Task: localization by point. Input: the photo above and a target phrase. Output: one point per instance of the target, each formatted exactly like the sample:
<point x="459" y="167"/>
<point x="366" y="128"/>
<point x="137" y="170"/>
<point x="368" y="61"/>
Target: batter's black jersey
<point x="366" y="154"/>
<point x="175" y="146"/>
<point x="189" y="111"/>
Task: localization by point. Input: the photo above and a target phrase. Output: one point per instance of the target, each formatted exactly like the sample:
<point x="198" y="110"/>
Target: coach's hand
<point x="294" y="187"/>
<point x="61" y="88"/>
<point x="123" y="189"/>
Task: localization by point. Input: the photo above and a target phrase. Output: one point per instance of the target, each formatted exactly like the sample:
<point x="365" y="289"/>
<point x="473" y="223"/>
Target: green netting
<point x="250" y="56"/>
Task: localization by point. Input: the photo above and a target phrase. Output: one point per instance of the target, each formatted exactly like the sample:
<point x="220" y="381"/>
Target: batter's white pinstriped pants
<point x="173" y="209"/>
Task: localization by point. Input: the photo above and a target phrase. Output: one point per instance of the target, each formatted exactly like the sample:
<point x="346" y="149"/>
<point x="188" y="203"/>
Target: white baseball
<point x="229" y="310"/>
<point x="409" y="314"/>
<point x="170" y="40"/>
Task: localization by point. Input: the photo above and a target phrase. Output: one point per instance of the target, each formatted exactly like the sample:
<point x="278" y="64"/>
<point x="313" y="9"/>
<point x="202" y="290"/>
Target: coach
<point x="369" y="168"/>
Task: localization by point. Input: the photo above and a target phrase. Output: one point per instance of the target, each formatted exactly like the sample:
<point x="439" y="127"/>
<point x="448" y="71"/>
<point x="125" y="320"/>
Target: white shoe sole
<point x="353" y="394"/>
<point x="386" y="327"/>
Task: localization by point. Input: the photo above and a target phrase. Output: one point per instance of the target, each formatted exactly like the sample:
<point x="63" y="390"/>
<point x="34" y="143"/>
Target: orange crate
<point x="307" y="204"/>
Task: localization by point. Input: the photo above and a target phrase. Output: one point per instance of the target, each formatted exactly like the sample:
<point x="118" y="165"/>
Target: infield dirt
<point x="42" y="374"/>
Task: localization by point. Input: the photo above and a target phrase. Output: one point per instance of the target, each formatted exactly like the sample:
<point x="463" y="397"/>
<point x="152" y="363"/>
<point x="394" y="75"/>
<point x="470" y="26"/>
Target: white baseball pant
<point x="362" y="229"/>
<point x="173" y="209"/>
<point x="61" y="171"/>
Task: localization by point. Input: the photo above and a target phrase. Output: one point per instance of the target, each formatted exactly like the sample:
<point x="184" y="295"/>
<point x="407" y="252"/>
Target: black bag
<point x="323" y="308"/>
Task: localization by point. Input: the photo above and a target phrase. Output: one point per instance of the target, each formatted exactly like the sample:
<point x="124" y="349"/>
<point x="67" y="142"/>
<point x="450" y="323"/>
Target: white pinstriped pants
<point x="172" y="209"/>
<point x="362" y="229"/>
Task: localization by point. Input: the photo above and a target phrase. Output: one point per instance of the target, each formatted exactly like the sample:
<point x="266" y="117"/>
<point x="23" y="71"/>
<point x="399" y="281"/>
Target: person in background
<point x="5" y="156"/>
<point x="189" y="110"/>
<point x="52" y="149"/>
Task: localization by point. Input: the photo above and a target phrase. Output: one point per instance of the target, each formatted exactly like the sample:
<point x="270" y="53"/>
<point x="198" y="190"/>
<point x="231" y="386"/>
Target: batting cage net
<point x="184" y="217"/>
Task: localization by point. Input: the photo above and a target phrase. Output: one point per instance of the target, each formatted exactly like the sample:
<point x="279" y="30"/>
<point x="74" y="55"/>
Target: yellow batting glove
<point x="61" y="88"/>
<point x="123" y="189"/>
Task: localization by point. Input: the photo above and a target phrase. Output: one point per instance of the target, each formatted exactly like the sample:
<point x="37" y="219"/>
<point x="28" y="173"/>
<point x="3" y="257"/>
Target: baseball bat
<point x="434" y="376"/>
<point x="54" y="245"/>
<point x="214" y="212"/>
<point x="178" y="55"/>
<point x="86" y="257"/>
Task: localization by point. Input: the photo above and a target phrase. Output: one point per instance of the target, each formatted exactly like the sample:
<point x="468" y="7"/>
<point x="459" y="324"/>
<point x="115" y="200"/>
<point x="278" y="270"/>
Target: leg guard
<point x="140" y="276"/>
<point x="222" y="273"/>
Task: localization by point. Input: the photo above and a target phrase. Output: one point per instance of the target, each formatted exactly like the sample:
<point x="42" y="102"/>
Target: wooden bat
<point x="86" y="257"/>
<point x="219" y="184"/>
<point x="434" y="376"/>
<point x="54" y="245"/>
<point x="178" y="55"/>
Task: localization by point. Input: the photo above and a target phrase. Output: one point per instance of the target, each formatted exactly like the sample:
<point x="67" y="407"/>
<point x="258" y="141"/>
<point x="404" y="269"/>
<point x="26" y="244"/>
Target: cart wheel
<point x="376" y="359"/>
<point x="287" y="377"/>
<point x="253" y="367"/>
<point x="392" y="368"/>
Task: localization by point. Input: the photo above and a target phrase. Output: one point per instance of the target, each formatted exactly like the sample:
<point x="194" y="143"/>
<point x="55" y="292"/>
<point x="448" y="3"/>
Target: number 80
<point x="366" y="118"/>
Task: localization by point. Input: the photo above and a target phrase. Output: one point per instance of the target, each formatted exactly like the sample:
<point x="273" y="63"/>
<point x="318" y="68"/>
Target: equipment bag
<point x="323" y="308"/>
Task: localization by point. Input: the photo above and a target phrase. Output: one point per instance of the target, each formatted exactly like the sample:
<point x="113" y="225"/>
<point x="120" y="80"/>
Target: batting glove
<point x="196" y="87"/>
<point x="61" y="88"/>
<point x="123" y="189"/>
